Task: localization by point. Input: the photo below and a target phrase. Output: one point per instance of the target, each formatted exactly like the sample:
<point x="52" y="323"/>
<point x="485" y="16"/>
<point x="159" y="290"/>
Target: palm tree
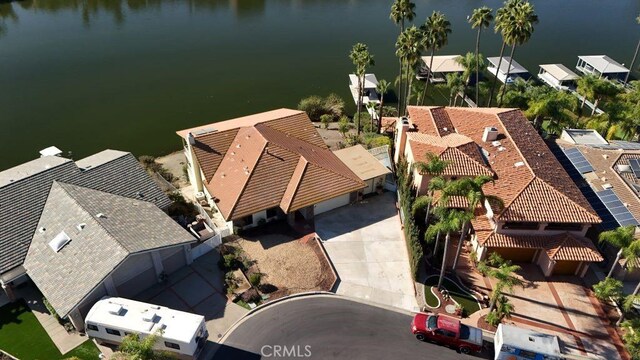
<point x="408" y="48"/>
<point x="450" y="220"/>
<point x="635" y="55"/>
<point x="603" y="89"/>
<point x="471" y="189"/>
<point x="623" y="239"/>
<point x="471" y="64"/>
<point x="436" y="31"/>
<point x="518" y="30"/>
<point x="557" y="106"/>
<point x="503" y="273"/>
<point x="502" y="17"/>
<point x="381" y="88"/>
<point x="586" y="88"/>
<point x="401" y="11"/>
<point x="361" y="59"/>
<point x="481" y="18"/>
<point x="434" y="166"/>
<point x="455" y="85"/>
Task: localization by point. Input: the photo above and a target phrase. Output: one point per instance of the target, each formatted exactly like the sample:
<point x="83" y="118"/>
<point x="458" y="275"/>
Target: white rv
<point x="112" y="318"/>
<point x="515" y="343"/>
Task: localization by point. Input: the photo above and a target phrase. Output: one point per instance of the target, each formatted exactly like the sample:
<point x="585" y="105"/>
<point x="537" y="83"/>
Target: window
<point x="514" y="225"/>
<point x="564" y="226"/>
<point x="171" y="345"/>
<point x="449" y="333"/>
<point x="273" y="212"/>
<point x="112" y="332"/>
<point x="92" y="327"/>
<point x="247" y="220"/>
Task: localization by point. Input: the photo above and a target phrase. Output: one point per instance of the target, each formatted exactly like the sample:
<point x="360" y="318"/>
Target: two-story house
<point x="544" y="218"/>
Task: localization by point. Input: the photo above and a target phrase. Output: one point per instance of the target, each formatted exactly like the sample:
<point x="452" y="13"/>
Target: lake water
<point x="94" y="74"/>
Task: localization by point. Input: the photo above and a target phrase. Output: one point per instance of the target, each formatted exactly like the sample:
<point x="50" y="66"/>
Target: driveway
<point x="367" y="248"/>
<point x="198" y="289"/>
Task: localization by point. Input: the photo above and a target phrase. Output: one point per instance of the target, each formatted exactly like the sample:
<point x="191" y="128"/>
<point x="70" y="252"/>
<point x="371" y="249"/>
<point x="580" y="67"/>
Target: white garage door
<point x="331" y="204"/>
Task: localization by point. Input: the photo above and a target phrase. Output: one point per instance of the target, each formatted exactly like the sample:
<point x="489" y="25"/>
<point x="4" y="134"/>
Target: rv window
<point x="92" y="327"/>
<point x="172" y="345"/>
<point x="112" y="332"/>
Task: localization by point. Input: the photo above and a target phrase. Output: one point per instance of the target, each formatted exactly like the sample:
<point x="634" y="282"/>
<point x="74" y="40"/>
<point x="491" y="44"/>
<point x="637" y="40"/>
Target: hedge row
<point x="411" y="231"/>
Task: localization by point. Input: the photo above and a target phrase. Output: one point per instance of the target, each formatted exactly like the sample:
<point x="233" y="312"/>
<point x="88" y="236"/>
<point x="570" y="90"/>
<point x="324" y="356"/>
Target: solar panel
<point x="578" y="160"/>
<point x="617" y="209"/>
<point x="635" y="167"/>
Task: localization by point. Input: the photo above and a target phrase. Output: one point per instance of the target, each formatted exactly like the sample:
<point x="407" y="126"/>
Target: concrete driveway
<point x="198" y="289"/>
<point x="367" y="248"/>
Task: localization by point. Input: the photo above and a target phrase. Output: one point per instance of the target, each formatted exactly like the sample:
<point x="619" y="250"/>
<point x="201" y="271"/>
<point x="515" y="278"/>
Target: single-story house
<point x="54" y="202"/>
<point x="267" y="166"/>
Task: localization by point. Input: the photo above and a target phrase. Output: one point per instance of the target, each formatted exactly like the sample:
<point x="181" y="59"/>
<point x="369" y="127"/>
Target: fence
<point x="206" y="246"/>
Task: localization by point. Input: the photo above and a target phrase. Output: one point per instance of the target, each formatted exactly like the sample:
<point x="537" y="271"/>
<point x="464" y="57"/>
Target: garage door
<point x="331" y="204"/>
<point x="565" y="267"/>
<point x="138" y="283"/>
<point x="174" y="262"/>
<point x="515" y="254"/>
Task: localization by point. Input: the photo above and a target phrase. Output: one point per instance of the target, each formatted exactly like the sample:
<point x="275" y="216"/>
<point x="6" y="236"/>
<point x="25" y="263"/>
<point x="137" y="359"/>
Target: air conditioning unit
<point x="200" y="196"/>
<point x="490" y="134"/>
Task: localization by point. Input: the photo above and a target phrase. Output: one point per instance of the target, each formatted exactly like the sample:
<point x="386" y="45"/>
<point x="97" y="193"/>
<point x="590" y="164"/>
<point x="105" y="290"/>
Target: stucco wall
<point x="131" y="267"/>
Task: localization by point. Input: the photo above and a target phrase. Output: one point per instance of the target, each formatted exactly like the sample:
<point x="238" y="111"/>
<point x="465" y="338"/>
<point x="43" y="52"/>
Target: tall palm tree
<point x="504" y="274"/>
<point x="436" y="31"/>
<point x="518" y="31"/>
<point x="502" y="18"/>
<point x="556" y="106"/>
<point x="481" y="18"/>
<point x="381" y="88"/>
<point x="409" y="45"/>
<point x="471" y="189"/>
<point x="449" y="220"/>
<point x="401" y="11"/>
<point x="361" y="59"/>
<point x="635" y="55"/>
<point x="622" y="238"/>
<point x="471" y="64"/>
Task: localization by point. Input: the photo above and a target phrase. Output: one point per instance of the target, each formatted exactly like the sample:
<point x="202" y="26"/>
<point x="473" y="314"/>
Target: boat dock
<point x="515" y="71"/>
<point x="370" y="93"/>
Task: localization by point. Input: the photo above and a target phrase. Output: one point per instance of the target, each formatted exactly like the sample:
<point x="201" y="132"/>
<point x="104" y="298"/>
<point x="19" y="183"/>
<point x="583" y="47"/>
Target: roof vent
<point x="114" y="309"/>
<point x="502" y="148"/>
<point x="148" y="316"/>
<point x="238" y="146"/>
<point x="495" y="143"/>
<point x="42" y="229"/>
<point x="191" y="139"/>
<point x="81" y="226"/>
<point x="445" y="129"/>
<point x="490" y="134"/>
<point x="59" y="241"/>
<point x="405" y="120"/>
<point x="101" y="216"/>
<point x="624" y="168"/>
<point x="607" y="186"/>
<point x="518" y="164"/>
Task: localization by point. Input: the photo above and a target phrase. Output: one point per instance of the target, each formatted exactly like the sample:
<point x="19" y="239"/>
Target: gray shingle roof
<point x="129" y="226"/>
<point x="24" y="190"/>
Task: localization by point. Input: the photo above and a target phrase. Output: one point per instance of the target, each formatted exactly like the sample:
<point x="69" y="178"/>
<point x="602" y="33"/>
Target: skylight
<point x="59" y="241"/>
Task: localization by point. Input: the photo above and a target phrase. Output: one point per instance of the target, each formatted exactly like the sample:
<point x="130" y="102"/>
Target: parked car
<point x="447" y="331"/>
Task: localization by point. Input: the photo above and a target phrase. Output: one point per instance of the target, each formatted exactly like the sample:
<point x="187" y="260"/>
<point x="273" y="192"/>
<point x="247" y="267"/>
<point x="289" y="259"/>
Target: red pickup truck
<point x="447" y="331"/>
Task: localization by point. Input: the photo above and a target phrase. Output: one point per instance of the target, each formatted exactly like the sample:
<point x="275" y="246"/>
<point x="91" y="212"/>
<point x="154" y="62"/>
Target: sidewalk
<point x="64" y="341"/>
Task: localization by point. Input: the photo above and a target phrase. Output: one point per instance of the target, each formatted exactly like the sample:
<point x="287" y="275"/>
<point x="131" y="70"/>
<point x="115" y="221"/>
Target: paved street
<point x="365" y="244"/>
<point x="329" y="327"/>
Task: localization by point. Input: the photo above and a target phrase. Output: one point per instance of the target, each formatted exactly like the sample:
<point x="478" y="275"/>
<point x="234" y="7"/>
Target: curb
<point x="320" y="243"/>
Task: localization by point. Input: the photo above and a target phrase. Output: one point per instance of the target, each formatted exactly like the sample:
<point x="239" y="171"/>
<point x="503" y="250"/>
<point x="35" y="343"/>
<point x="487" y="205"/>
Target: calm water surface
<point x="94" y="74"/>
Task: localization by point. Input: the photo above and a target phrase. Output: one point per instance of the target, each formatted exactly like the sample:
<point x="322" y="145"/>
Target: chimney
<point x="191" y="139"/>
<point x="490" y="134"/>
<point x="402" y="126"/>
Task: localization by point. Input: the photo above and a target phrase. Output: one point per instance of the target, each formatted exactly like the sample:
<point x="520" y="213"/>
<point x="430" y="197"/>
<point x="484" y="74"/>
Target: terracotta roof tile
<point x="463" y="164"/>
<point x="561" y="247"/>
<point x="252" y="167"/>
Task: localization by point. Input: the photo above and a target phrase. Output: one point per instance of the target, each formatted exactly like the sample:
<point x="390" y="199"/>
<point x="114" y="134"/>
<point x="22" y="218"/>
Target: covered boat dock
<point x="558" y="76"/>
<point x="442" y="65"/>
<point x="601" y="66"/>
<point x="515" y="71"/>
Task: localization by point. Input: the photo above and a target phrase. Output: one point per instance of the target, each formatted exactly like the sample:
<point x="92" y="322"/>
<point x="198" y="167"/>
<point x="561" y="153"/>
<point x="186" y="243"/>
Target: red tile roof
<point x="271" y="159"/>
<point x="561" y="247"/>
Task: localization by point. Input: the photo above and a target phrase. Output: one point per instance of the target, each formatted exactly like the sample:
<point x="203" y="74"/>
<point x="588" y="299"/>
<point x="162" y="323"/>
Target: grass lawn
<point x="21" y="335"/>
<point x="459" y="295"/>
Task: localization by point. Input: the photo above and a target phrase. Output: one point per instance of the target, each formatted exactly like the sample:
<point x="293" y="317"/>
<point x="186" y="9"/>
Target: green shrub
<point x="607" y="288"/>
<point x="389" y="111"/>
<point x="334" y="106"/>
<point x="50" y="308"/>
<point x="326" y="119"/>
<point x="231" y="282"/>
<point x="411" y="230"/>
<point x="493" y="318"/>
<point x="344" y="125"/>
<point x="255" y="278"/>
<point x="313" y="106"/>
<point x="230" y="262"/>
<point x="363" y="120"/>
<point x="373" y="140"/>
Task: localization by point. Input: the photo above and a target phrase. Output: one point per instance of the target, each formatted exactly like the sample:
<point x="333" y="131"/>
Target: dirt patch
<point x="484" y="325"/>
<point x="174" y="163"/>
<point x="331" y="136"/>
<point x="292" y="265"/>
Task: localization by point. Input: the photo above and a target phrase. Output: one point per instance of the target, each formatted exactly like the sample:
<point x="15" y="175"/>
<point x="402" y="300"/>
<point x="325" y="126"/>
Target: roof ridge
<point x="506" y="206"/>
<point x="524" y="159"/>
<point x="104" y="163"/>
<point x="63" y="187"/>
<point x="472" y="159"/>
<point x="244" y="186"/>
<point x="305" y="163"/>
